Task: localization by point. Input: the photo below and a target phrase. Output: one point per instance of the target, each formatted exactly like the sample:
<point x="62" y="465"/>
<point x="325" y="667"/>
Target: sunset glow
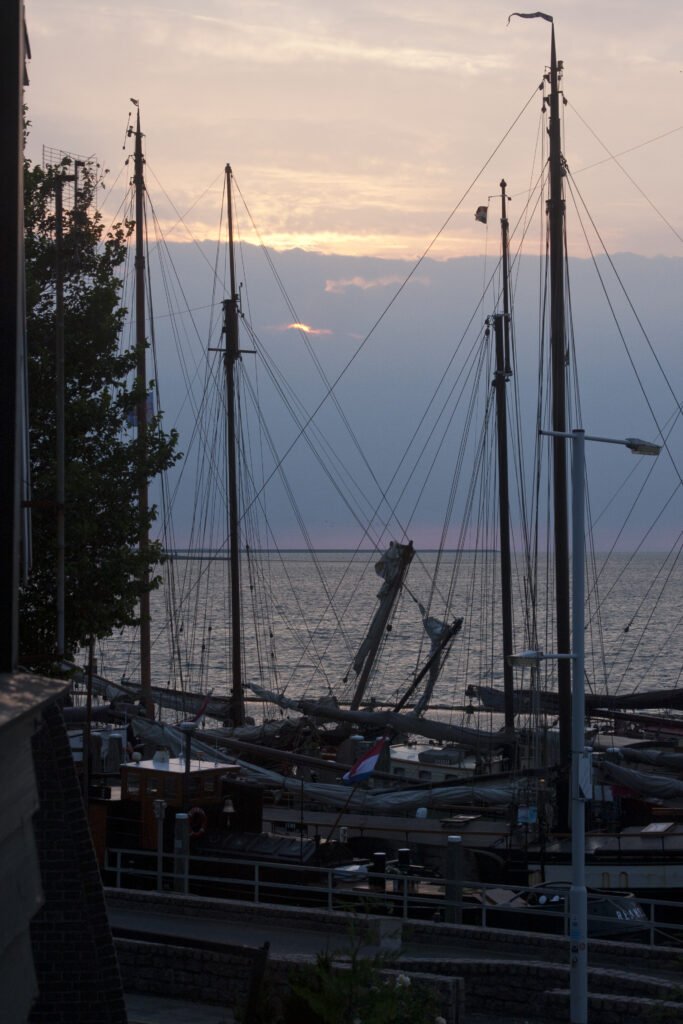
<point x="368" y="129"/>
<point x="306" y="329"/>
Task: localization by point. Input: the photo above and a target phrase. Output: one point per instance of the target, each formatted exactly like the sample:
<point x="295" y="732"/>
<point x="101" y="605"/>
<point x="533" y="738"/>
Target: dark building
<point x="57" y="959"/>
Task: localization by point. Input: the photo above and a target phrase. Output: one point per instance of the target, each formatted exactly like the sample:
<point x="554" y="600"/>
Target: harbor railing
<point x="357" y="887"/>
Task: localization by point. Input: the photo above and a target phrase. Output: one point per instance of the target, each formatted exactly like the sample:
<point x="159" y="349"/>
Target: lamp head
<point x="525" y="659"/>
<point x="640" y="447"/>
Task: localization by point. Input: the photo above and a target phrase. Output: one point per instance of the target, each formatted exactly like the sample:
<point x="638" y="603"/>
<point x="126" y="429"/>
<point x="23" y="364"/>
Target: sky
<point x="364" y="135"/>
<point x="359" y="127"/>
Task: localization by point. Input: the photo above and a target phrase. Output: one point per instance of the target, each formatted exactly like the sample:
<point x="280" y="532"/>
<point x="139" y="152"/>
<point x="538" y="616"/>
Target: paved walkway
<point x="156" y="1010"/>
<point x="143" y="1009"/>
<point x="297" y="937"/>
<point x="283" y="939"/>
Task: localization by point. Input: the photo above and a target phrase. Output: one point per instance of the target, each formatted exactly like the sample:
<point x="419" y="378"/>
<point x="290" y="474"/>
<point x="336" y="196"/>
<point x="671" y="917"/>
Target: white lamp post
<point x="581" y="774"/>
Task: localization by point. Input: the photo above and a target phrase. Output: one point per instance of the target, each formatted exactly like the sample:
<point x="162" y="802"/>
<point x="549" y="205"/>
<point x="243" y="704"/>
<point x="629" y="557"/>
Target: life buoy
<point x="196" y="817"/>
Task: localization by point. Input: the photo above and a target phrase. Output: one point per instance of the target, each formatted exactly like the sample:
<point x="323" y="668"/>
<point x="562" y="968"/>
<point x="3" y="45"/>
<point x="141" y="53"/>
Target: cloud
<point x="277" y="42"/>
<point x="305" y="329"/>
<point x="340" y="286"/>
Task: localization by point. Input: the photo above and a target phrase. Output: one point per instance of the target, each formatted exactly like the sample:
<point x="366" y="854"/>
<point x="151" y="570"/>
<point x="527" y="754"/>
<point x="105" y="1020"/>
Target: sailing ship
<point x="519" y="768"/>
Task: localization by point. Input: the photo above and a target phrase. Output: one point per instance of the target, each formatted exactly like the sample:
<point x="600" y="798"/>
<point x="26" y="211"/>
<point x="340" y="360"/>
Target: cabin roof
<point x="23" y="694"/>
<point x="176" y="766"/>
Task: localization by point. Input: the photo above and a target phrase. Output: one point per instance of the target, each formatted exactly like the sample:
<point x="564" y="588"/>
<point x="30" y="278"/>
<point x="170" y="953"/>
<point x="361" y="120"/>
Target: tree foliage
<point x="105" y="462"/>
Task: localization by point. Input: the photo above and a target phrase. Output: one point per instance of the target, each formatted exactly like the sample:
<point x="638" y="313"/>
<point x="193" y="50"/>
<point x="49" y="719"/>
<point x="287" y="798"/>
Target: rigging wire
<point x="401" y="287"/>
<point x="573" y="187"/>
<point x="614" y="158"/>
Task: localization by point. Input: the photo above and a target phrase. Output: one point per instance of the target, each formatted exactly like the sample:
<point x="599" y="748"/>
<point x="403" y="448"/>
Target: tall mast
<point x="502" y="375"/>
<point x="504" y="232"/>
<point x="231" y="355"/>
<point x="59" y="410"/>
<point x="556" y="212"/>
<point x="141" y="384"/>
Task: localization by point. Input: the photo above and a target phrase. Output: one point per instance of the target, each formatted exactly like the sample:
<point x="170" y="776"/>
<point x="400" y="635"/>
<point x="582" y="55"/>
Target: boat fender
<point x="197" y="822"/>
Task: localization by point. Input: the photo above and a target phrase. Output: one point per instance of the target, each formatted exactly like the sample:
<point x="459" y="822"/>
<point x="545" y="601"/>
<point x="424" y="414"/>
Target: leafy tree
<point x="105" y="463"/>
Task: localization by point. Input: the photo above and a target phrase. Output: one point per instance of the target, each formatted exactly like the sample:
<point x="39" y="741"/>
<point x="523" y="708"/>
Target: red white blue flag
<point x="202" y="710"/>
<point x="365" y="766"/>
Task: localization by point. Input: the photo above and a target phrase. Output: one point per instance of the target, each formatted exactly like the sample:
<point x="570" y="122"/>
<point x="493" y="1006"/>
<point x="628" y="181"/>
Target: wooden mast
<point x="59" y="412"/>
<point x="502" y="375"/>
<point x="142" y="415"/>
<point x="556" y="210"/>
<point x="231" y="355"/>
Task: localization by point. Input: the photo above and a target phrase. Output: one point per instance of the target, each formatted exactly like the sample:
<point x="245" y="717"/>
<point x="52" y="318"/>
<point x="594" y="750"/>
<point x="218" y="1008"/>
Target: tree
<point x="104" y="460"/>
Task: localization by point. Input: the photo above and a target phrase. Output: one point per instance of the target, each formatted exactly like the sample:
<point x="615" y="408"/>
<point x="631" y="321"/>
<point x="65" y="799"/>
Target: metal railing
<point x="410" y="897"/>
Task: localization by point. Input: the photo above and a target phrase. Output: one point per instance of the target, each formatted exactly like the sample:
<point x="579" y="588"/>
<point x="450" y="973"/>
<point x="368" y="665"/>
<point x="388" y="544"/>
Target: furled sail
<point x="360" y="799"/>
<point x="659" y="758"/>
<point x="392" y="567"/>
<point x="437" y="632"/>
<point x="380" y="720"/>
<point x="645" y="783"/>
<point x="526" y="700"/>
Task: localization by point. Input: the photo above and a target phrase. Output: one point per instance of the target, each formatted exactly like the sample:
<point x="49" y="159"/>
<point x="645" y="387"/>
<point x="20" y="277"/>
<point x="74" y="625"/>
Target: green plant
<point x="355" y="988"/>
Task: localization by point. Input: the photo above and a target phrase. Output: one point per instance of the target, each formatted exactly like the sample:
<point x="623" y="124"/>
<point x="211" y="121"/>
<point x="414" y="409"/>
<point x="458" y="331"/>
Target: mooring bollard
<point x="181" y="853"/>
<point x="159" y="813"/>
<point x="454" y="876"/>
<point x="379" y="867"/>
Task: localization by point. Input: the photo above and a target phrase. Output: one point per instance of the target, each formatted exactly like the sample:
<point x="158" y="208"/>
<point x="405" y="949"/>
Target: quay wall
<point x="222" y="977"/>
<point x="479" y="941"/>
<point x="489" y="970"/>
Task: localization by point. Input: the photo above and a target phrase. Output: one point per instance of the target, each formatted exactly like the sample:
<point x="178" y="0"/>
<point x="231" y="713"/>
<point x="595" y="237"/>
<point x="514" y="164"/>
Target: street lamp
<point x="578" y="900"/>
<point x="187" y="728"/>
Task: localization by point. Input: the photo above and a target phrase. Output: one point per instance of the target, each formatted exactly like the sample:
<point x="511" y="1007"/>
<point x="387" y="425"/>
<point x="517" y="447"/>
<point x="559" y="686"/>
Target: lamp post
<point x="187" y="729"/>
<point x="581" y="762"/>
<point x="578" y="901"/>
<point x="578" y="897"/>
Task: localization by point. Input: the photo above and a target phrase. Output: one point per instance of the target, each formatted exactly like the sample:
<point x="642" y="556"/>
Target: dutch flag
<point x="365" y="766"/>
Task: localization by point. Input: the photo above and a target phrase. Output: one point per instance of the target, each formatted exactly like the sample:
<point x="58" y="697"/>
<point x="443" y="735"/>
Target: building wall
<point x="20" y="888"/>
<point x="75" y="961"/>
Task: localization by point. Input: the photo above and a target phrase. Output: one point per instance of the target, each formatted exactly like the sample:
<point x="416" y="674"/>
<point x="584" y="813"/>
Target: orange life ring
<point x="193" y="813"/>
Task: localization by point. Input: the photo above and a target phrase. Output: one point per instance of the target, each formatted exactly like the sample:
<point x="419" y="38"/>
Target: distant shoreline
<point x="186" y="555"/>
<point x="221" y="554"/>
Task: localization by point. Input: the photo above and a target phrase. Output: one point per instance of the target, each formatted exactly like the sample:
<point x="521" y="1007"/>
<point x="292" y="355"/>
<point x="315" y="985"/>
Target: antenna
<point x="127" y="132"/>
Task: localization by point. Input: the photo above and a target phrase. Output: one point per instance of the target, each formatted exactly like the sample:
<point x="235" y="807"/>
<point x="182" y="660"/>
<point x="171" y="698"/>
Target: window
<point x="172" y="787"/>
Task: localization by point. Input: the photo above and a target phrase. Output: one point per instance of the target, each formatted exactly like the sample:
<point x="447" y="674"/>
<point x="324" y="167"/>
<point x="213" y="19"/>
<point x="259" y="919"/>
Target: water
<point x="311" y="612"/>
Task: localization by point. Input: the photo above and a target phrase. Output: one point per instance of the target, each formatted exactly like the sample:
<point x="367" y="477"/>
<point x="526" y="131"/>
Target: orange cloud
<point x="306" y="329"/>
<point x="339" y="287"/>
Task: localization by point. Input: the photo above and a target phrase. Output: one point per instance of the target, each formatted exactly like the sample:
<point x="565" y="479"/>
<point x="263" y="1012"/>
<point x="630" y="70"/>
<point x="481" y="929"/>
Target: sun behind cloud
<point x="307" y="329"/>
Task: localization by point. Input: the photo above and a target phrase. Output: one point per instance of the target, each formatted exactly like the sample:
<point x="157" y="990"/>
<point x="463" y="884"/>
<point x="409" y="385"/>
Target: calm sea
<point x="305" y="616"/>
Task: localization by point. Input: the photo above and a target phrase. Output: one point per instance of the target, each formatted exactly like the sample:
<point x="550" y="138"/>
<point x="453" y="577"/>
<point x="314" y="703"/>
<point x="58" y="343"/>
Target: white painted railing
<point x="402" y="894"/>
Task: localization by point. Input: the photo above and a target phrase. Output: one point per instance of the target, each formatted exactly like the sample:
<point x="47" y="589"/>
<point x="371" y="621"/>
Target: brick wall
<point x="222" y="976"/>
<point x="73" y="951"/>
<point x="494" y="980"/>
<point x="182" y="972"/>
<point x="540" y="992"/>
